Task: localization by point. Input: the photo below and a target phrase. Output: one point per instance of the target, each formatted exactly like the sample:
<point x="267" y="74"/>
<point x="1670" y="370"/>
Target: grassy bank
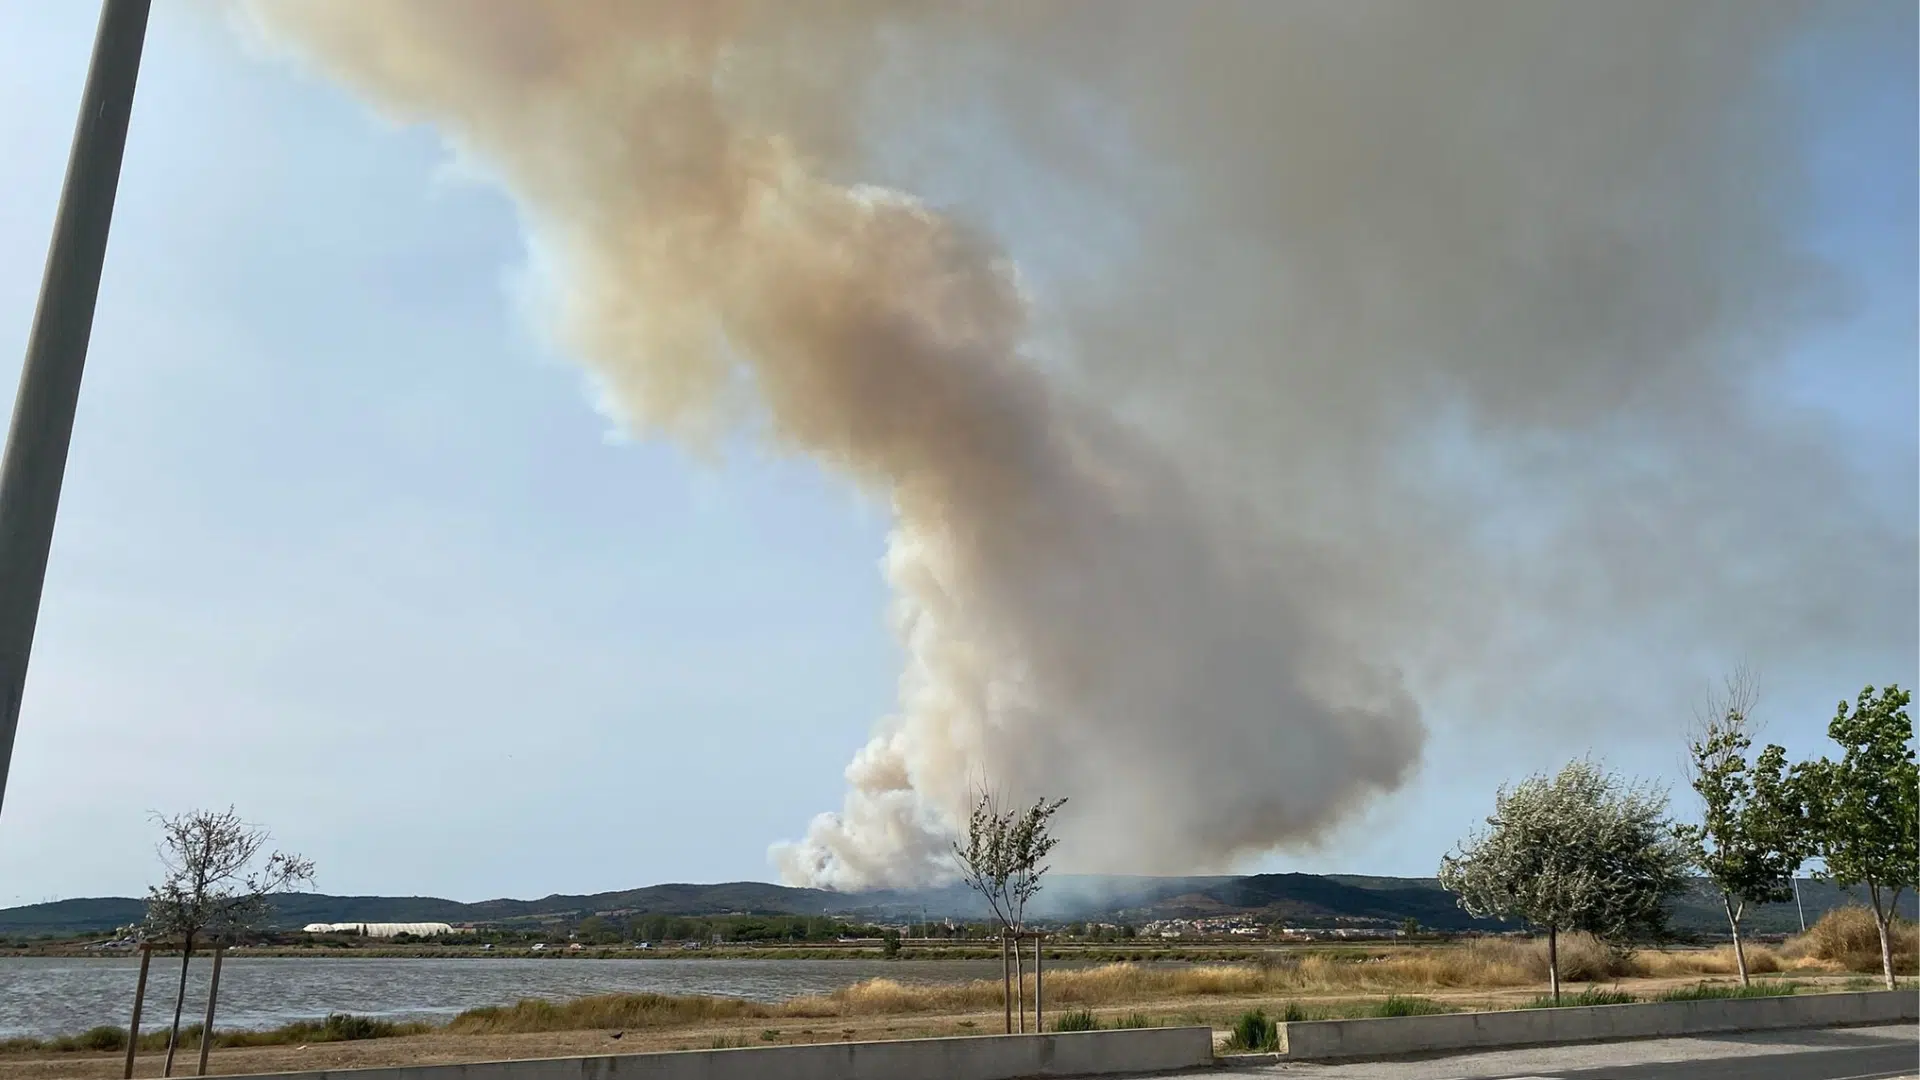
<point x="339" y="1027"/>
<point x="1303" y="984"/>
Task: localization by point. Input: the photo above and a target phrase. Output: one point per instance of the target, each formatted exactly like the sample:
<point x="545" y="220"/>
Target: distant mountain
<point x="1310" y="897"/>
<point x="65" y="917"/>
<point x="1702" y="909"/>
<point x="1699" y="910"/>
<point x="1294" y="898"/>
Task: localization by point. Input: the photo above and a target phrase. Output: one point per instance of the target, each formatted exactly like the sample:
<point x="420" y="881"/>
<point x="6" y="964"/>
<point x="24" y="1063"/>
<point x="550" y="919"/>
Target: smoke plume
<point x="1381" y="351"/>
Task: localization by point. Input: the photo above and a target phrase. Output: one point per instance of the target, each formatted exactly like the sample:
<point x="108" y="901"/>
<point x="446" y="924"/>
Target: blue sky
<point x="346" y="545"/>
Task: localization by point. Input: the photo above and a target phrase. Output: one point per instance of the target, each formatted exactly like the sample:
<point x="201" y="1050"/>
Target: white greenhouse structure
<point x="380" y="929"/>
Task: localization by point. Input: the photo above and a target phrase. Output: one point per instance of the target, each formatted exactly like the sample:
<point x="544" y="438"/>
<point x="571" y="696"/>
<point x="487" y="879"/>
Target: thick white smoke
<point x="1180" y="574"/>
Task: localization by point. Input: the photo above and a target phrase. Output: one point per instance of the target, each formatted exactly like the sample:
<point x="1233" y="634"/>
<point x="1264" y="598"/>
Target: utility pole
<point x="35" y="462"/>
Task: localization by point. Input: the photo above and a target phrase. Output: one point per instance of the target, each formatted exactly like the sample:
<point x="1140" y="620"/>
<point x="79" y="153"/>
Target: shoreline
<point x="811" y="1020"/>
<point x="1195" y="952"/>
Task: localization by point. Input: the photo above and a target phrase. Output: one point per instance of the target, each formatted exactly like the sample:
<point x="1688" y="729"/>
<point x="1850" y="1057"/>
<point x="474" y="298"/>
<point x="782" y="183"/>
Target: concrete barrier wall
<point x="977" y="1057"/>
<point x="1323" y="1039"/>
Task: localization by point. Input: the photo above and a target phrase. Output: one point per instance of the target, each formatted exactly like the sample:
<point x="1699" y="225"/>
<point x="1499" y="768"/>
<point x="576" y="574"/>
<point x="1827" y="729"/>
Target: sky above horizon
<point x="346" y="544"/>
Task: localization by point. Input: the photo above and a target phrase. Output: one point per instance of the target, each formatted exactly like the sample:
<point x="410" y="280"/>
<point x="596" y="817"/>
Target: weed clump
<point x="1717" y="991"/>
<point x="1077" y="1020"/>
<point x="1592" y="995"/>
<point x="1253" y="1033"/>
<point x="1396" y="1005"/>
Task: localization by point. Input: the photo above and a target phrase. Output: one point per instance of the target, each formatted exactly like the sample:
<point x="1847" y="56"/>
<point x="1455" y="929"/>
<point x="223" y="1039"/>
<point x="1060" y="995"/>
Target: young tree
<point x="1002" y="861"/>
<point x="213" y="889"/>
<point x="1749" y="839"/>
<point x="1863" y="811"/>
<point x="1582" y="850"/>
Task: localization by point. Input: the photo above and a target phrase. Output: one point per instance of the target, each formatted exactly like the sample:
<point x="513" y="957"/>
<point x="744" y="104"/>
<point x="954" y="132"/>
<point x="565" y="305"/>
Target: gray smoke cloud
<point x="1413" y="352"/>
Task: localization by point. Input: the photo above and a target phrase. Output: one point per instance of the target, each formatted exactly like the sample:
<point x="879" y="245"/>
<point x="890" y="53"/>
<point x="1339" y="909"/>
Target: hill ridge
<point x="1280" y="897"/>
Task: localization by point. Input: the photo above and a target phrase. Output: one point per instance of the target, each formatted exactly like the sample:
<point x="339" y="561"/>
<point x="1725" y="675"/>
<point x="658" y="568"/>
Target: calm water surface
<point x="52" y="996"/>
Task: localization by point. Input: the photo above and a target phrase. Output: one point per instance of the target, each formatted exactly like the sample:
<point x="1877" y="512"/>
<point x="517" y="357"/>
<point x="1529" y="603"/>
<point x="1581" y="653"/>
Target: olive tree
<point x="1863" y="811"/>
<point x="1749" y="842"/>
<point x="1580" y="850"/>
<point x="1002" y="860"/>
<point x="217" y="885"/>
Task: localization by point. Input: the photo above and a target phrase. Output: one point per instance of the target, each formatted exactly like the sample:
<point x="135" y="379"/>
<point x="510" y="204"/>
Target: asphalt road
<point x="1879" y="1053"/>
<point x="1851" y="1063"/>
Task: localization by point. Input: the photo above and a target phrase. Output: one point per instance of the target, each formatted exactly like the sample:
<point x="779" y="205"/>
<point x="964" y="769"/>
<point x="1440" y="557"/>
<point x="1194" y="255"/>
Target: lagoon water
<point x="54" y="996"/>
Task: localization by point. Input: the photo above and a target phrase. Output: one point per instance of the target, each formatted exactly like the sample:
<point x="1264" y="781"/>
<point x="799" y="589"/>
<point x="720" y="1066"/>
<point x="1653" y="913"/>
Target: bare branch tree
<point x="1748" y="841"/>
<point x="1724" y="715"/>
<point x="1002" y="860"/>
<point x="213" y="890"/>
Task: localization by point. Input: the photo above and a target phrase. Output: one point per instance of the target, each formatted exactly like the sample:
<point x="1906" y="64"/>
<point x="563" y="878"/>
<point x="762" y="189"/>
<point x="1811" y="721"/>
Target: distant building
<point x="380" y="929"/>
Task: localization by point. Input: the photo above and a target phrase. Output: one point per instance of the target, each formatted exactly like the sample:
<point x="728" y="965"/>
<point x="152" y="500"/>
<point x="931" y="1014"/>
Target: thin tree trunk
<point x="1019" y="986"/>
<point x="179" y="1002"/>
<point x="139" y="999"/>
<point x="1006" y="980"/>
<point x="213" y="995"/>
<point x="1039" y="1022"/>
<point x="1739" y="953"/>
<point x="1553" y="961"/>
<point x="1880" y="920"/>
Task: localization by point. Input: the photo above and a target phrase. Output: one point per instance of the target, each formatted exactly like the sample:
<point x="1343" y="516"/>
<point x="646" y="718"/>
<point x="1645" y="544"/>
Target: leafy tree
<point x="890" y="944"/>
<point x="1863" y="811"/>
<point x="1582" y="850"/>
<point x="1749" y="841"/>
<point x="596" y="930"/>
<point x="1002" y="861"/>
<point x="213" y="890"/>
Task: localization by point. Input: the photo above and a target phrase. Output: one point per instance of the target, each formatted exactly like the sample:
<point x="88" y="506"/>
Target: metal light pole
<point x="36" y="454"/>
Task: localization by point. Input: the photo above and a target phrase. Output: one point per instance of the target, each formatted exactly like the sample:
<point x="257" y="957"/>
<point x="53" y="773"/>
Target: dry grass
<point x="605" y="1012"/>
<point x="1848" y="938"/>
<point x="1761" y="960"/>
<point x="1495" y="963"/>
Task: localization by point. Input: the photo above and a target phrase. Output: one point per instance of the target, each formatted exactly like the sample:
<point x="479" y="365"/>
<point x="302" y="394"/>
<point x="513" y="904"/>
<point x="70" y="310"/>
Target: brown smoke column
<point x="1185" y="576"/>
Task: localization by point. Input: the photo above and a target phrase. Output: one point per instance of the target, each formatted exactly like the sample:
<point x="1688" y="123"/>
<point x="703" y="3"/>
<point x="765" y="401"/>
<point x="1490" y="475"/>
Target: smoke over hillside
<point x="1412" y="347"/>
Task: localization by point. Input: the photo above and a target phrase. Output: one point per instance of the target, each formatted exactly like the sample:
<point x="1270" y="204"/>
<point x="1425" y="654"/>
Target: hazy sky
<point x="346" y="545"/>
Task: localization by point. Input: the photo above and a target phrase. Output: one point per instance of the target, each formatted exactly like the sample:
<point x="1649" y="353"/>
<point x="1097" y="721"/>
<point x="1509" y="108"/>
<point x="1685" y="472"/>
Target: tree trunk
<point x="1739" y="953"/>
<point x="1007" y="981"/>
<point x="139" y="999"/>
<point x="1019" y="986"/>
<point x="1881" y="919"/>
<point x="213" y="996"/>
<point x="179" y="1002"/>
<point x="1553" y="961"/>
<point x="1039" y="1019"/>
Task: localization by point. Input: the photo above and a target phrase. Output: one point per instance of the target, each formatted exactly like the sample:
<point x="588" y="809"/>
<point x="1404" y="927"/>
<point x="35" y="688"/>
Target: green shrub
<point x="1409" y="1006"/>
<point x="1592" y="995"/>
<point x="1136" y="1020"/>
<point x="1717" y="991"/>
<point x="1253" y="1032"/>
<point x="1077" y="1020"/>
<point x="346" y="1027"/>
